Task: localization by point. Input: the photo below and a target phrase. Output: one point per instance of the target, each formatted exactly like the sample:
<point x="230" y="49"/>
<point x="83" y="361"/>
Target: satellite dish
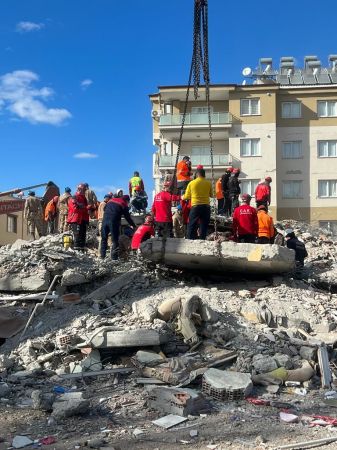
<point x="247" y="71"/>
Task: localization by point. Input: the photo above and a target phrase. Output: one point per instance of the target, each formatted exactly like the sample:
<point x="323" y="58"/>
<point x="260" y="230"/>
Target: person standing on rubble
<point x="135" y="181"/>
<point x="219" y="196"/>
<point x="162" y="211"/>
<point x="78" y="217"/>
<point x="179" y="229"/>
<point x="113" y="212"/>
<point x="143" y="233"/>
<point x="33" y="214"/>
<point x="245" y="223"/>
<point x="234" y="189"/>
<point x="199" y="192"/>
<point x="91" y="200"/>
<point x="266" y="230"/>
<point x="263" y="193"/>
<point x="227" y="208"/>
<point x="101" y="208"/>
<point x="50" y="215"/>
<point x="63" y="210"/>
<point x="184" y="172"/>
<point x="300" y="251"/>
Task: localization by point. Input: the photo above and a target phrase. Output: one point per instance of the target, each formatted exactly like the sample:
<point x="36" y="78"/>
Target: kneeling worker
<point x="266" y="226"/>
<point x="143" y="233"/>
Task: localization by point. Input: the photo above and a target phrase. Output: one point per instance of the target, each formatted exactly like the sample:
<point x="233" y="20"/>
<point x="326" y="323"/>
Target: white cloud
<point x="85" y="155"/>
<point x="19" y="96"/>
<point x="104" y="189"/>
<point x="27" y="27"/>
<point x="86" y="83"/>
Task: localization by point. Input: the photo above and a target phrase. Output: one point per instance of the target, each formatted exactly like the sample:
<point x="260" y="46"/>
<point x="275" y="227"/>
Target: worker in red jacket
<point x="162" y="211"/>
<point x="263" y="193"/>
<point x="245" y="222"/>
<point x="78" y="217"/>
<point x="143" y="233"/>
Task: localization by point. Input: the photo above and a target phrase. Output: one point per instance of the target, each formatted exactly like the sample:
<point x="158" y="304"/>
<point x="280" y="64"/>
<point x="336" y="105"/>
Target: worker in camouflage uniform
<point x="33" y="214"/>
<point x="91" y="199"/>
<point x="63" y="210"/>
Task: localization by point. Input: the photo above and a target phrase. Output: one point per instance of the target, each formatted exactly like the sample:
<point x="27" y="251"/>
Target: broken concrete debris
<point x="147" y="340"/>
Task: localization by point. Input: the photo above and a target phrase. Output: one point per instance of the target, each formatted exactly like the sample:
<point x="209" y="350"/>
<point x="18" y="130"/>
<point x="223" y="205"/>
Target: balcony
<point x="169" y="161"/>
<point x="195" y="119"/>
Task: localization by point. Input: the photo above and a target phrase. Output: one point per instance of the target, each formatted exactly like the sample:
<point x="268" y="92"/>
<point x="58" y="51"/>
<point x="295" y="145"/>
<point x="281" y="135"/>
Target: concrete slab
<point x="227" y="257"/>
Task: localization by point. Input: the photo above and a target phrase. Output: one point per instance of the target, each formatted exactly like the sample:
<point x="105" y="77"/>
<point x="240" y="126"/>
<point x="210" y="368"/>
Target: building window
<point x="250" y="147"/>
<point x="292" y="189"/>
<point x="249" y="186"/>
<point x="291" y="110"/>
<point x="201" y="109"/>
<point x="327" y="188"/>
<point x="330" y="225"/>
<point x="167" y="108"/>
<point x="250" y="107"/>
<point x="327" y="149"/>
<point x="12" y="224"/>
<point x="327" y="108"/>
<point x="292" y="150"/>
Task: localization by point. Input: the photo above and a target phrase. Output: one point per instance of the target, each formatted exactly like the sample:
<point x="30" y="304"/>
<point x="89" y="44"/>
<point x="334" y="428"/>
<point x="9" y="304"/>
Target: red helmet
<point x="246" y="197"/>
<point x="148" y="220"/>
<point x="137" y="188"/>
<point x="269" y="179"/>
<point x="229" y="169"/>
<point x="236" y="170"/>
<point x="200" y="166"/>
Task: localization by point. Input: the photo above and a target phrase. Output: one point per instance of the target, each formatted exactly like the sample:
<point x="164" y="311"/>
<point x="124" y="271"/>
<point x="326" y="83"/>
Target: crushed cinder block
<point x="144" y="358"/>
<point x="169" y="421"/>
<point x="4" y="390"/>
<point x="226" y="385"/>
<point x="264" y="363"/>
<point x="180" y="401"/>
<point x="143" y="337"/>
<point x="42" y="401"/>
<point x="308" y="353"/>
<point x="70" y="404"/>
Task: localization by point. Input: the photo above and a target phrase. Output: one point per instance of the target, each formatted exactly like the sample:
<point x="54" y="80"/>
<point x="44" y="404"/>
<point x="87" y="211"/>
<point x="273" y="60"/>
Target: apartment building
<point x="283" y="124"/>
<point x="12" y="224"/>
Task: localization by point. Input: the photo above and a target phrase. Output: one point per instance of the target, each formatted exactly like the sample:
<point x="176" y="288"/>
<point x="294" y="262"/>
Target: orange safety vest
<point x="183" y="171"/>
<point x="50" y="210"/>
<point x="266" y="225"/>
<point x="218" y="190"/>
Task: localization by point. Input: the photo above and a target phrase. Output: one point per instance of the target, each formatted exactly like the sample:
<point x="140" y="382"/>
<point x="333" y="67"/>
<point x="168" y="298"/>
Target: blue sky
<point x="75" y="76"/>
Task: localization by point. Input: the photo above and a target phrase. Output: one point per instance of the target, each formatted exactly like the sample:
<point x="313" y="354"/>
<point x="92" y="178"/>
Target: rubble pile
<point x="147" y="349"/>
<point x="31" y="266"/>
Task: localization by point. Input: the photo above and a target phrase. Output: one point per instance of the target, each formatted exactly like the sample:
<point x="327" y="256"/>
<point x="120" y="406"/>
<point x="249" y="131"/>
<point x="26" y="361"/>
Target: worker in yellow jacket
<point x="266" y="229"/>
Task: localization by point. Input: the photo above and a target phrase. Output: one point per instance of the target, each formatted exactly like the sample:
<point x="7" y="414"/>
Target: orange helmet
<point x="137" y="188"/>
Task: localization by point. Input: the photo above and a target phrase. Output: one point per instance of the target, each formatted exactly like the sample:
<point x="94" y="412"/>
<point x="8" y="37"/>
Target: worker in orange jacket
<point x="266" y="225"/>
<point x="219" y="196"/>
<point x="50" y="215"/>
<point x="184" y="171"/>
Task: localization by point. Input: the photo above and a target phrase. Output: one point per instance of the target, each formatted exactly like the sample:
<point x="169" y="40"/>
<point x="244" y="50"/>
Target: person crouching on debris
<point x="162" y="211"/>
<point x="300" y="251"/>
<point x="179" y="228"/>
<point x="113" y="212"/>
<point x="78" y="217"/>
<point x="199" y="192"/>
<point x="143" y="233"/>
<point x="50" y="215"/>
<point x="245" y="223"/>
<point x="139" y="201"/>
<point x="266" y="226"/>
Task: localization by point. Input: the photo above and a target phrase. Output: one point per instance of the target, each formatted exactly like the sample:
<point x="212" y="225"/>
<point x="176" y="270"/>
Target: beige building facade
<point x="288" y="132"/>
<point x="12" y="224"/>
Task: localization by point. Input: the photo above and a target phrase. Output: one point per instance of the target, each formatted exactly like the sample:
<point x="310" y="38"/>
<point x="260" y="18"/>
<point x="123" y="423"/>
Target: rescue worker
<point x="143" y="233"/>
<point x="300" y="251"/>
<point x="134" y="182"/>
<point x="162" y="211"/>
<point x="184" y="172"/>
<point x="266" y="230"/>
<point x="234" y="190"/>
<point x="219" y="196"/>
<point x="78" y="217"/>
<point x="199" y="192"/>
<point x="63" y="210"/>
<point x="139" y="201"/>
<point x="33" y="214"/>
<point x="199" y="166"/>
<point x="179" y="229"/>
<point x="50" y="215"/>
<point x="113" y="212"/>
<point x="119" y="193"/>
<point x="263" y="192"/>
<point x="245" y="223"/>
<point x="227" y="208"/>
<point x="51" y="191"/>
<point x="91" y="200"/>
<point x="100" y="215"/>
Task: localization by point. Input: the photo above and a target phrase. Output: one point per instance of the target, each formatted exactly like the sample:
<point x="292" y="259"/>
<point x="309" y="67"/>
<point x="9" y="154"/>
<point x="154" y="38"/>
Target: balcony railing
<point x="217" y="118"/>
<point x="218" y="160"/>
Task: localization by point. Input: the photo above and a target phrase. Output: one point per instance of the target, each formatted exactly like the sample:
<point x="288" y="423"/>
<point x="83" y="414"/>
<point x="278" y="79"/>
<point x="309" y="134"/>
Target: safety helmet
<point x="236" y="170"/>
<point x="200" y="166"/>
<point x="246" y="197"/>
<point x="261" y="208"/>
<point x="107" y="196"/>
<point x="67" y="189"/>
<point x="55" y="199"/>
<point x="138" y="188"/>
<point x="31" y="193"/>
<point x="186" y="158"/>
<point x="179" y="207"/>
<point x="148" y="220"/>
<point x="288" y="231"/>
<point x="268" y="179"/>
<point x="229" y="169"/>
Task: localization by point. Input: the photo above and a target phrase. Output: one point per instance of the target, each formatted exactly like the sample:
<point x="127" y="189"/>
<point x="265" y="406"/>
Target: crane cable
<point x="199" y="65"/>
